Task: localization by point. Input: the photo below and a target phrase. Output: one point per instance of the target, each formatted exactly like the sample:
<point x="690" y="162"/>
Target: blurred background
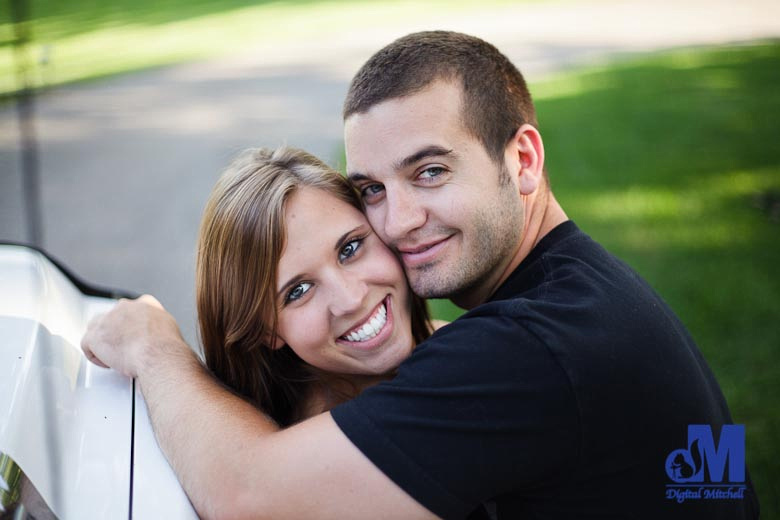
<point x="661" y="123"/>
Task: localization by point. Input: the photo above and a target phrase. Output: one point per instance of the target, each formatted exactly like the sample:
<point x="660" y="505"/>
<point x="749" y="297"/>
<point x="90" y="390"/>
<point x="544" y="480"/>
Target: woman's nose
<point x="348" y="293"/>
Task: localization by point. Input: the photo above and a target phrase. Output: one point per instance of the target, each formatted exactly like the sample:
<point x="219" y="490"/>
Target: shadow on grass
<point x="665" y="120"/>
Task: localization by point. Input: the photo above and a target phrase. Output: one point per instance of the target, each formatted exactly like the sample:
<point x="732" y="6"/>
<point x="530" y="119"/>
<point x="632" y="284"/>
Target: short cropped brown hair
<point x="496" y="101"/>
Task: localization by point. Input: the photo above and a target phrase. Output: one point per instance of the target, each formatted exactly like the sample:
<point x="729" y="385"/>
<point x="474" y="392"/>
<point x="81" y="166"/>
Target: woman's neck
<point x="331" y="390"/>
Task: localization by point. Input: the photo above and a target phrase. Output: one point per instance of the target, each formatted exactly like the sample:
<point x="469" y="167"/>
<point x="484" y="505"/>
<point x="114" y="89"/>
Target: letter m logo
<point x="730" y="448"/>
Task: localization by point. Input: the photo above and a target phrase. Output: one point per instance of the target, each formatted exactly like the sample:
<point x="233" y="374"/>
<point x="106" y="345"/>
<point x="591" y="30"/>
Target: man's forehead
<point x="390" y="132"/>
<point x="437" y="96"/>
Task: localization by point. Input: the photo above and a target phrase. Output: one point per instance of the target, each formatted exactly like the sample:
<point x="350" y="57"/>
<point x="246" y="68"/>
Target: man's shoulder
<point x="574" y="307"/>
<point x="568" y="270"/>
<point x="566" y="259"/>
<point x="493" y="325"/>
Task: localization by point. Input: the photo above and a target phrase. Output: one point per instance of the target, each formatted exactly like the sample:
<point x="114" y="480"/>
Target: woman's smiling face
<point x="343" y="300"/>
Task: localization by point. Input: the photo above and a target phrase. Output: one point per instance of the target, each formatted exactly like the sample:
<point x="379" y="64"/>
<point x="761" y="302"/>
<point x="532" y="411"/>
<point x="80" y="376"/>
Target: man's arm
<point x="232" y="461"/>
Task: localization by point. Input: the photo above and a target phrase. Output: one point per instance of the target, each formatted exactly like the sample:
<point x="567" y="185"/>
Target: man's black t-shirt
<point x="560" y="397"/>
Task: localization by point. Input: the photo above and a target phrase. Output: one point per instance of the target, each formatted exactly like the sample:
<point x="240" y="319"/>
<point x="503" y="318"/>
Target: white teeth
<point x="371" y="328"/>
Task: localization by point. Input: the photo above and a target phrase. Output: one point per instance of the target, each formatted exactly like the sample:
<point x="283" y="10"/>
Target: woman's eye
<point x="297" y="292"/>
<point x="349" y="249"/>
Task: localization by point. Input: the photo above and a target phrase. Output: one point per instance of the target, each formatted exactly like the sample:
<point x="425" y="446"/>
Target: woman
<point x="300" y="305"/>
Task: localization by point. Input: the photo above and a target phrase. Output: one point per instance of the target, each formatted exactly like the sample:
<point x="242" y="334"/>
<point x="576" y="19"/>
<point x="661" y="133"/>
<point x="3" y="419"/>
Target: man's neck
<point x="542" y="215"/>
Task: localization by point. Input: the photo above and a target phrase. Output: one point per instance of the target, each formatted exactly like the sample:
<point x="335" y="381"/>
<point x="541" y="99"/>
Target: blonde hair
<point x="242" y="237"/>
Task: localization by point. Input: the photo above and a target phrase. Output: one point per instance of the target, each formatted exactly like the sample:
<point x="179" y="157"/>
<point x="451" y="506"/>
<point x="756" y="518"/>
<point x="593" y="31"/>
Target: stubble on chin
<point x="425" y="281"/>
<point x="494" y="234"/>
<point x="449" y="277"/>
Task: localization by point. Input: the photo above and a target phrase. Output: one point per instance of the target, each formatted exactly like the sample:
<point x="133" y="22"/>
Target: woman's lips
<point x="374" y="331"/>
<point x="370" y="327"/>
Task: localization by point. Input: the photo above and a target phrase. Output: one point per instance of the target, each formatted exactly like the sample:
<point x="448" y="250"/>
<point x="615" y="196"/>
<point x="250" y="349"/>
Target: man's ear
<point x="526" y="158"/>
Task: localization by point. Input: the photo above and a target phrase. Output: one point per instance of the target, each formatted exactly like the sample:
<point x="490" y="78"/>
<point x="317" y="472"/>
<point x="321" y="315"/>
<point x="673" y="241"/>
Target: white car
<point x="75" y="439"/>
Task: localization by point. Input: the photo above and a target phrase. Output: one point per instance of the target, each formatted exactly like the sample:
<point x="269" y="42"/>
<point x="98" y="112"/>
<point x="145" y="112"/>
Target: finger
<point x="86" y="340"/>
<point x="93" y="322"/>
<point x="92" y="357"/>
<point x="150" y="300"/>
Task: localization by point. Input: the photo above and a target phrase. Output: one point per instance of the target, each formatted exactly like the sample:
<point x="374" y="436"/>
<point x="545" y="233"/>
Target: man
<point x="559" y="395"/>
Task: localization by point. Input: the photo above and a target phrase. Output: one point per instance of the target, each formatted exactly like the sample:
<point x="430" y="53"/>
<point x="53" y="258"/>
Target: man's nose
<point x="404" y="215"/>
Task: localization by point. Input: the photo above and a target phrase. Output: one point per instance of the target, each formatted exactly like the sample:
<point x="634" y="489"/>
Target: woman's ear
<point x="275" y="342"/>
<point x="526" y="158"/>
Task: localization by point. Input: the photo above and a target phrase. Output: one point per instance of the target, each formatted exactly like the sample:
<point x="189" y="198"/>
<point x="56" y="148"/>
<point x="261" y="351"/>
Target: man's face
<point x="433" y="194"/>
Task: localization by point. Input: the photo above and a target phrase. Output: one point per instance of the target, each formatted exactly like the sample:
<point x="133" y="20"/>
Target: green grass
<point x="672" y="162"/>
<point x="86" y="39"/>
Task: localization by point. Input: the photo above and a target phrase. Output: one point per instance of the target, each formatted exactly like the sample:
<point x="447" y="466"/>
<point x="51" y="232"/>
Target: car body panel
<point x="156" y="491"/>
<point x="65" y="423"/>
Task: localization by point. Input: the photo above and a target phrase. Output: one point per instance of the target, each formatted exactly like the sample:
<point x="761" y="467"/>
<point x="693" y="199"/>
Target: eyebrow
<point x="428" y="151"/>
<point x="297" y="278"/>
<point x="343" y="237"/>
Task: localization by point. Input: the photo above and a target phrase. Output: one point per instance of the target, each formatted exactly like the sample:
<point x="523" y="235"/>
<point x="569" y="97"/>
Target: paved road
<point x="128" y="163"/>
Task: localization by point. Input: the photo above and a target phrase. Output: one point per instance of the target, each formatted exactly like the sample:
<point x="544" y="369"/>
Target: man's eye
<point x="371" y="191"/>
<point x="297" y="292"/>
<point x="349" y="249"/>
<point x="431" y="172"/>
